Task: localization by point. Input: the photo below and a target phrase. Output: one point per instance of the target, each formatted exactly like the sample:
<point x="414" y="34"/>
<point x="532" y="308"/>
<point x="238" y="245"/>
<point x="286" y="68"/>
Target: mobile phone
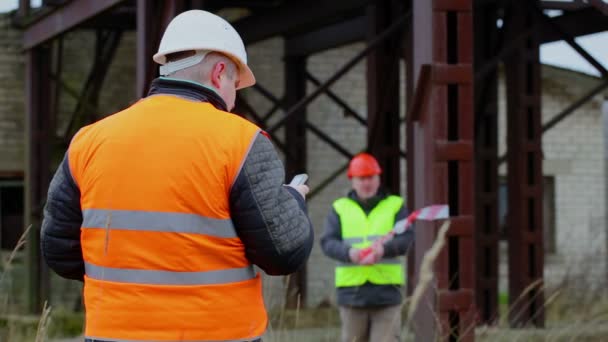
<point x="299" y="179"/>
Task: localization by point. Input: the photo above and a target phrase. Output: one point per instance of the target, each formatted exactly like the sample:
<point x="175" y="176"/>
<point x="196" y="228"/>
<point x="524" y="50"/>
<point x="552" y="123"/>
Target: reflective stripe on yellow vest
<point x="360" y="230"/>
<point x="162" y="258"/>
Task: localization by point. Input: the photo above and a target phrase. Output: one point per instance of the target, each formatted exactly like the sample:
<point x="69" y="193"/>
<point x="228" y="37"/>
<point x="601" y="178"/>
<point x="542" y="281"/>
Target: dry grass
<point x="426" y="269"/>
<point x="43" y="324"/>
<point x="571" y="315"/>
<point x="6" y="264"/>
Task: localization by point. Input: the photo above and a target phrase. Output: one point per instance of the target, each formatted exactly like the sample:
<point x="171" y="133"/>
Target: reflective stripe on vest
<point x="162" y="258"/>
<point x="157" y="221"/>
<point x="167" y="277"/>
<point x="382" y="261"/>
<point x="360" y="230"/>
<point x="97" y="338"/>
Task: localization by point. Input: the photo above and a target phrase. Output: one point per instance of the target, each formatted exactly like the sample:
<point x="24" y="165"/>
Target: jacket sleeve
<point x="271" y="219"/>
<point x="331" y="240"/>
<point x="401" y="243"/>
<point x="60" y="230"/>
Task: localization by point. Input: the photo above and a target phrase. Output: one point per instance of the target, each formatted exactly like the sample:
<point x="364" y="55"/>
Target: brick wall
<point x="12" y="106"/>
<point x="574" y="156"/>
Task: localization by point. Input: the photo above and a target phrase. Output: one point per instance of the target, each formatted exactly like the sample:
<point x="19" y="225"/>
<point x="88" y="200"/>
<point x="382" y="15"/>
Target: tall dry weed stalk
<point x="43" y="324"/>
<point x="426" y="269"/>
<point x="6" y="265"/>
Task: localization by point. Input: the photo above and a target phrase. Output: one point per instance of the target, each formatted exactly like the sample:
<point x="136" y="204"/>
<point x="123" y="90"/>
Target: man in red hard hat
<point x="368" y="290"/>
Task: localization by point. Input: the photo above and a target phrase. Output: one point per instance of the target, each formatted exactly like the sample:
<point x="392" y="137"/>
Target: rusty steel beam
<point x="295" y="140"/>
<point x="420" y="94"/>
<point x="410" y="86"/>
<point x="327" y="139"/>
<point x="443" y="162"/>
<point x="243" y="108"/>
<point x="85" y="111"/>
<point x="267" y="94"/>
<point x="325" y="182"/>
<point x="348" y="110"/>
<point x="121" y="18"/>
<point x="54" y="2"/>
<point x="152" y="19"/>
<point x="24" y="8"/>
<point x="382" y="76"/>
<point x="575" y="105"/>
<point x="39" y="131"/>
<point x="568" y="38"/>
<point x="147" y="35"/>
<point x="599" y="5"/>
<point x="276" y="102"/>
<point x="65" y="19"/>
<point x="296" y="17"/>
<point x="486" y="166"/>
<point x="563" y="5"/>
<point x="343" y="70"/>
<point x="576" y="23"/>
<point x="524" y="175"/>
<point x="329" y="37"/>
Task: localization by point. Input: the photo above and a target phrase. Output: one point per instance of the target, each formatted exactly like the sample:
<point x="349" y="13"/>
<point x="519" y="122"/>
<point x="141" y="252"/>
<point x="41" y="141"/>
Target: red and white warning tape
<point x="430" y="213"/>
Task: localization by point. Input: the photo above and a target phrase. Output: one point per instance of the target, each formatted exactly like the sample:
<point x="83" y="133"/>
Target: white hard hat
<point x="202" y="31"/>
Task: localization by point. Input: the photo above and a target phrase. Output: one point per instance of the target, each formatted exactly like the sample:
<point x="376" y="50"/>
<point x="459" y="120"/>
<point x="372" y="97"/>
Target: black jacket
<point x="368" y="294"/>
<point x="270" y="219"/>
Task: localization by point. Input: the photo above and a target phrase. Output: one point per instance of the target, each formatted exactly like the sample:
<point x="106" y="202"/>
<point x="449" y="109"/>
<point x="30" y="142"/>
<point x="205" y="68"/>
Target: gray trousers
<point x="377" y="324"/>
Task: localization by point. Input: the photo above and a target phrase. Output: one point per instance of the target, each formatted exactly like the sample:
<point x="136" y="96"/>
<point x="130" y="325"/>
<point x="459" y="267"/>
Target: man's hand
<point x="371" y="255"/>
<point x="302" y="189"/>
<point x="378" y="249"/>
<point x="353" y="254"/>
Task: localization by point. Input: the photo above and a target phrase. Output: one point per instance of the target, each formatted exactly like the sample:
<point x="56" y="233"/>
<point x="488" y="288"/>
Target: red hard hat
<point x="362" y="165"/>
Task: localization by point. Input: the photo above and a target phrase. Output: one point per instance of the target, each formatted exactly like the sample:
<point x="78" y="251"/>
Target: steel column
<point x="24" y="8"/>
<point x="105" y="48"/>
<point x="152" y="19"/>
<point x="525" y="183"/>
<point x="39" y="130"/>
<point x="295" y="141"/>
<point x="442" y="146"/>
<point x="383" y="92"/>
<point x="486" y="165"/>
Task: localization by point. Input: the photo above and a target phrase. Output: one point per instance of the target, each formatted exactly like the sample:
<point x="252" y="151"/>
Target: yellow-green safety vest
<point x="360" y="230"/>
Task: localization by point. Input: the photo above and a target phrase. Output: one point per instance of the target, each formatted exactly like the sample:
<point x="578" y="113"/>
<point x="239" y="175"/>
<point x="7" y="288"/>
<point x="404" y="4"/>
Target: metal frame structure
<point x="486" y="159"/>
<point x="441" y="128"/>
<point x="452" y="49"/>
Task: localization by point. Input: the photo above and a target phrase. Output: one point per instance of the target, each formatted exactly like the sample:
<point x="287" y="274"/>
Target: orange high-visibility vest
<point x="162" y="258"/>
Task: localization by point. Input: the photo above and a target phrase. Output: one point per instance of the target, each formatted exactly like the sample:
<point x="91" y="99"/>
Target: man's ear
<point x="216" y="74"/>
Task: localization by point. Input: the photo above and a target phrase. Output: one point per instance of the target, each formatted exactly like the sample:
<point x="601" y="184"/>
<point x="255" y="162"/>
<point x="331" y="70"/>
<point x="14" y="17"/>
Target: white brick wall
<point x="573" y="154"/>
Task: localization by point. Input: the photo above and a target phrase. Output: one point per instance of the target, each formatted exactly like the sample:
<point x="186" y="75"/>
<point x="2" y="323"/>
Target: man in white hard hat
<point x="163" y="208"/>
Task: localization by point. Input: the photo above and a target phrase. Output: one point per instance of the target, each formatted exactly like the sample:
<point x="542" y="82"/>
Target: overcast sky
<point x="557" y="53"/>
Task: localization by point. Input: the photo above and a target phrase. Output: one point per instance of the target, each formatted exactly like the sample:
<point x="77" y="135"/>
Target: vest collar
<point x="186" y="89"/>
<point x="370" y="203"/>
